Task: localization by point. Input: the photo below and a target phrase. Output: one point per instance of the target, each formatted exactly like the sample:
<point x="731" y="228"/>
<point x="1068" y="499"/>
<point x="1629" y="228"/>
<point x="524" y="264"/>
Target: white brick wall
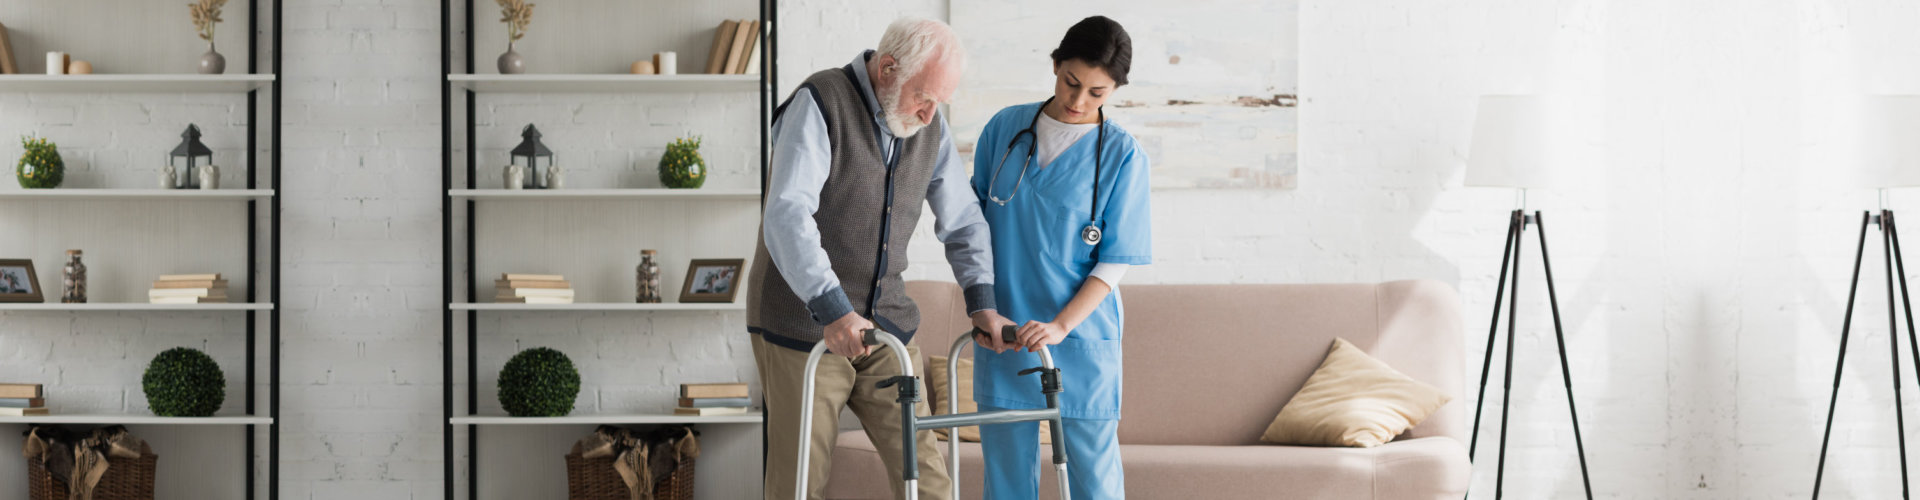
<point x="361" y="393"/>
<point x="1701" y="266"/>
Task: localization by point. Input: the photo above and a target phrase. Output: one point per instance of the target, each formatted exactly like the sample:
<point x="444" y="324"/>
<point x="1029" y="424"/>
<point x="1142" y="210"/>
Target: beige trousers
<point x="848" y="383"/>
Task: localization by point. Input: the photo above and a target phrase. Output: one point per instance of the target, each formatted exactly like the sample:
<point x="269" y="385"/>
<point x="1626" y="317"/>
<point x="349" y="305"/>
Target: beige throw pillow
<point x="937" y="390"/>
<point x="1353" y="400"/>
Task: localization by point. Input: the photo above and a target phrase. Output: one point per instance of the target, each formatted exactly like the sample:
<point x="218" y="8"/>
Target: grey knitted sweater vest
<point x="867" y="214"/>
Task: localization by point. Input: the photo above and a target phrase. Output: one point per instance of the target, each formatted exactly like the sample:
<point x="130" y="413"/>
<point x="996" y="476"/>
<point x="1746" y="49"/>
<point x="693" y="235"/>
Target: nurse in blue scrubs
<point x="1064" y="192"/>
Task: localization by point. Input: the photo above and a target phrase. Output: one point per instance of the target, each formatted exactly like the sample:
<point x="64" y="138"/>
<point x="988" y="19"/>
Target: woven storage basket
<point x="126" y="479"/>
<point x="596" y="480"/>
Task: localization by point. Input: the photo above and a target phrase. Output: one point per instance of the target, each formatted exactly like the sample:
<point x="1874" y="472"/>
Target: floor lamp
<point x="1513" y="144"/>
<point x="1890" y="158"/>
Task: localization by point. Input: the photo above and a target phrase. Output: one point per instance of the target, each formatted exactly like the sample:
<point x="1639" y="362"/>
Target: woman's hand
<point x="1034" y="335"/>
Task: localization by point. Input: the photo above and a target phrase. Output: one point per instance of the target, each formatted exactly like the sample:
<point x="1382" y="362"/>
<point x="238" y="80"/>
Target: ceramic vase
<point x="212" y="63"/>
<point x="511" y="63"/>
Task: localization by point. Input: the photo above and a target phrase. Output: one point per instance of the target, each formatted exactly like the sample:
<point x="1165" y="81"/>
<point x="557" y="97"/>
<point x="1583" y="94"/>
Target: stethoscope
<point x="1091" y="234"/>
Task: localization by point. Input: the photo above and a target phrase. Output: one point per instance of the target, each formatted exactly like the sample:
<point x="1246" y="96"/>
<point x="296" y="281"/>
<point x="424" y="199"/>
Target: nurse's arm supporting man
<point x="850" y="170"/>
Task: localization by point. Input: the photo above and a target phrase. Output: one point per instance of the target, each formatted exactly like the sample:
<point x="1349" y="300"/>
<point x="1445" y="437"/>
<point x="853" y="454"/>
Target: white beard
<point x="901" y="125"/>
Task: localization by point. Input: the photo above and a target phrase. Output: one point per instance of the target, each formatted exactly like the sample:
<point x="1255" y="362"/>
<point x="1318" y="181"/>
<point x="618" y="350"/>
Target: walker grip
<point x="1007" y="333"/>
<point x="870" y="336"/>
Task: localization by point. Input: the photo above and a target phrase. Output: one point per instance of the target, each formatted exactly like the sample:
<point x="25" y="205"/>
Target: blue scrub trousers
<point x="1014" y="457"/>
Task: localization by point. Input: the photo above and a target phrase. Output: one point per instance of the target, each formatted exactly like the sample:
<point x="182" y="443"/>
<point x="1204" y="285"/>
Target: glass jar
<point x="73" y="280"/>
<point x="647" y="277"/>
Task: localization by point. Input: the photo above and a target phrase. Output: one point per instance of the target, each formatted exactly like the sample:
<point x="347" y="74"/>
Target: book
<point x="753" y="55"/>
<point x="189" y="277"/>
<point x="190" y="284"/>
<point x="21" y="391"/>
<point x="749" y="47"/>
<point x="535" y="292"/>
<point x="533" y="300"/>
<point x="737" y="52"/>
<point x="715" y="402"/>
<point x="7" y="64"/>
<point x="732" y="390"/>
<point x="186" y="292"/>
<point x="532" y="277"/>
<point x="22" y="412"/>
<point x="722" y="40"/>
<point x="22" y="402"/>
<point x="709" y="412"/>
<point x="531" y="284"/>
<point x="186" y="300"/>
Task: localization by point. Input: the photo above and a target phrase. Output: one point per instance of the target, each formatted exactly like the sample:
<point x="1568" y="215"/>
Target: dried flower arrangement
<point x="206" y="16"/>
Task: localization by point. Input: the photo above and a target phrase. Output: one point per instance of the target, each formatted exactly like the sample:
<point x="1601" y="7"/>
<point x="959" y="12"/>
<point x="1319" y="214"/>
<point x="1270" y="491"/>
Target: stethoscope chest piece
<point x="1090" y="235"/>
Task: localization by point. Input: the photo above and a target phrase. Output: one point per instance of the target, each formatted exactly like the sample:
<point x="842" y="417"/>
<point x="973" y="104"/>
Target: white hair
<point x="915" y="42"/>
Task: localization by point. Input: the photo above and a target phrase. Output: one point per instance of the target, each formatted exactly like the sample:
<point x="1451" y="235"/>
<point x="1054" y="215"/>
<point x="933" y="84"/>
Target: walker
<point x="911" y="424"/>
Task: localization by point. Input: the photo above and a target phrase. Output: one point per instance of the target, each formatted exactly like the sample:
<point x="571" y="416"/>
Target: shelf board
<point x="134" y="83"/>
<point x="606" y="83"/>
<point x="134" y="306"/>
<point x="749" y="418"/>
<point x="136" y="420"/>
<point x="606" y="194"/>
<point x="597" y="306"/>
<point x="135" y="194"/>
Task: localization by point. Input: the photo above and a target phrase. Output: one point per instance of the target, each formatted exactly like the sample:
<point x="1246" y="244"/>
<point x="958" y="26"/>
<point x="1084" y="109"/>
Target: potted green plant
<point x="183" y="382"/>
<point x="539" y="382"/>
<point x="40" y="167"/>
<point x="682" y="167"/>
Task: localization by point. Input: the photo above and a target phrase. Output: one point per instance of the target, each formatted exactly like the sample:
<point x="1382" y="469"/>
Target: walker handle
<point x="868" y="336"/>
<point x="1007" y="333"/>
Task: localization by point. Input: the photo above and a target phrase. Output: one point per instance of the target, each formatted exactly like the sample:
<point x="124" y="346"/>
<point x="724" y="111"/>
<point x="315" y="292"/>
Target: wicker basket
<point x="126" y="479"/>
<point x="596" y="480"/>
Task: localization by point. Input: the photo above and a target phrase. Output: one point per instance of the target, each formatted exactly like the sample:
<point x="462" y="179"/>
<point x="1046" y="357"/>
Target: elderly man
<point x="856" y="151"/>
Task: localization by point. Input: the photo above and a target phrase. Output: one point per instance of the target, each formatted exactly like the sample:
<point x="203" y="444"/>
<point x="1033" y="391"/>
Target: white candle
<point x="56" y="63"/>
<point x="669" y="63"/>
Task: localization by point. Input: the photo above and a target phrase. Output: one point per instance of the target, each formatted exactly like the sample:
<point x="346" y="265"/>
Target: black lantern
<point x="530" y="151"/>
<point x="194" y="152"/>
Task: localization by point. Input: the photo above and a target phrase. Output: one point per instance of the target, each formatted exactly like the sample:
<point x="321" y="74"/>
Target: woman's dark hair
<point x="1099" y="42"/>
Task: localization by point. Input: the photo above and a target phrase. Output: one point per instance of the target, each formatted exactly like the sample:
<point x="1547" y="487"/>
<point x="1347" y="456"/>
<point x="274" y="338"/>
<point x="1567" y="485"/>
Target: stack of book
<point x="736" y="48"/>
<point x="707" y="400"/>
<point x="19" y="400"/>
<point x="533" y="289"/>
<point x="188" y="289"/>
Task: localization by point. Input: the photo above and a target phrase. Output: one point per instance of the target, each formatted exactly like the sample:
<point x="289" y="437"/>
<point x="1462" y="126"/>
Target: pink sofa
<point x="1208" y="367"/>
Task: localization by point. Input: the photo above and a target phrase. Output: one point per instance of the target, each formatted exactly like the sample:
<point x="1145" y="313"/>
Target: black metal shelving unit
<point x="252" y="83"/>
<point x="468" y="88"/>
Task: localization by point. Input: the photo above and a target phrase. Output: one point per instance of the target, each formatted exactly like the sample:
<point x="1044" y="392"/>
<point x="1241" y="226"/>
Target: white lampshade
<point x="1889" y="144"/>
<point x="1514" y="143"/>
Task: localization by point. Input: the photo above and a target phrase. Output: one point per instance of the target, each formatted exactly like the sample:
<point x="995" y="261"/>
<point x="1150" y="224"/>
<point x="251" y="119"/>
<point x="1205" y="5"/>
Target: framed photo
<point x="18" y="283"/>
<point x="712" y="280"/>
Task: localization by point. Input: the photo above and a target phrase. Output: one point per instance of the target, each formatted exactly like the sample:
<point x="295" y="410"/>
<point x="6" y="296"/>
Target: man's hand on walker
<point x="1035" y="334"/>
<point x="989" y="320"/>
<point x="844" y="335"/>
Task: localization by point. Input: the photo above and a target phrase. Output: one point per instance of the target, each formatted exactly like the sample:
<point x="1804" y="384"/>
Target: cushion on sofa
<point x="1353" y="400"/>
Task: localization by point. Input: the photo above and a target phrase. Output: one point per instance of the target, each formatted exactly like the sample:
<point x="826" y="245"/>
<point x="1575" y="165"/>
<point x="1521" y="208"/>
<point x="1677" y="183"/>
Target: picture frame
<point x="18" y="281"/>
<point x="713" y="280"/>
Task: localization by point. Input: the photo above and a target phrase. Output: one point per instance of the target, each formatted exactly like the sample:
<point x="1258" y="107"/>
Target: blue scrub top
<point x="1040" y="260"/>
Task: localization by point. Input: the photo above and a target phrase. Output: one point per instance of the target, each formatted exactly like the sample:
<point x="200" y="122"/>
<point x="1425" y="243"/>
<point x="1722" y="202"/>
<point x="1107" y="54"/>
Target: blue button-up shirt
<point x="802" y="159"/>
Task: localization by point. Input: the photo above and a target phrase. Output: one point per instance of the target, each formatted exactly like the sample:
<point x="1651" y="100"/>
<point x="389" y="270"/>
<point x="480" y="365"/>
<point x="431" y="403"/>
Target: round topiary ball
<point x="182" y="382"/>
<point x="539" y="382"/>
